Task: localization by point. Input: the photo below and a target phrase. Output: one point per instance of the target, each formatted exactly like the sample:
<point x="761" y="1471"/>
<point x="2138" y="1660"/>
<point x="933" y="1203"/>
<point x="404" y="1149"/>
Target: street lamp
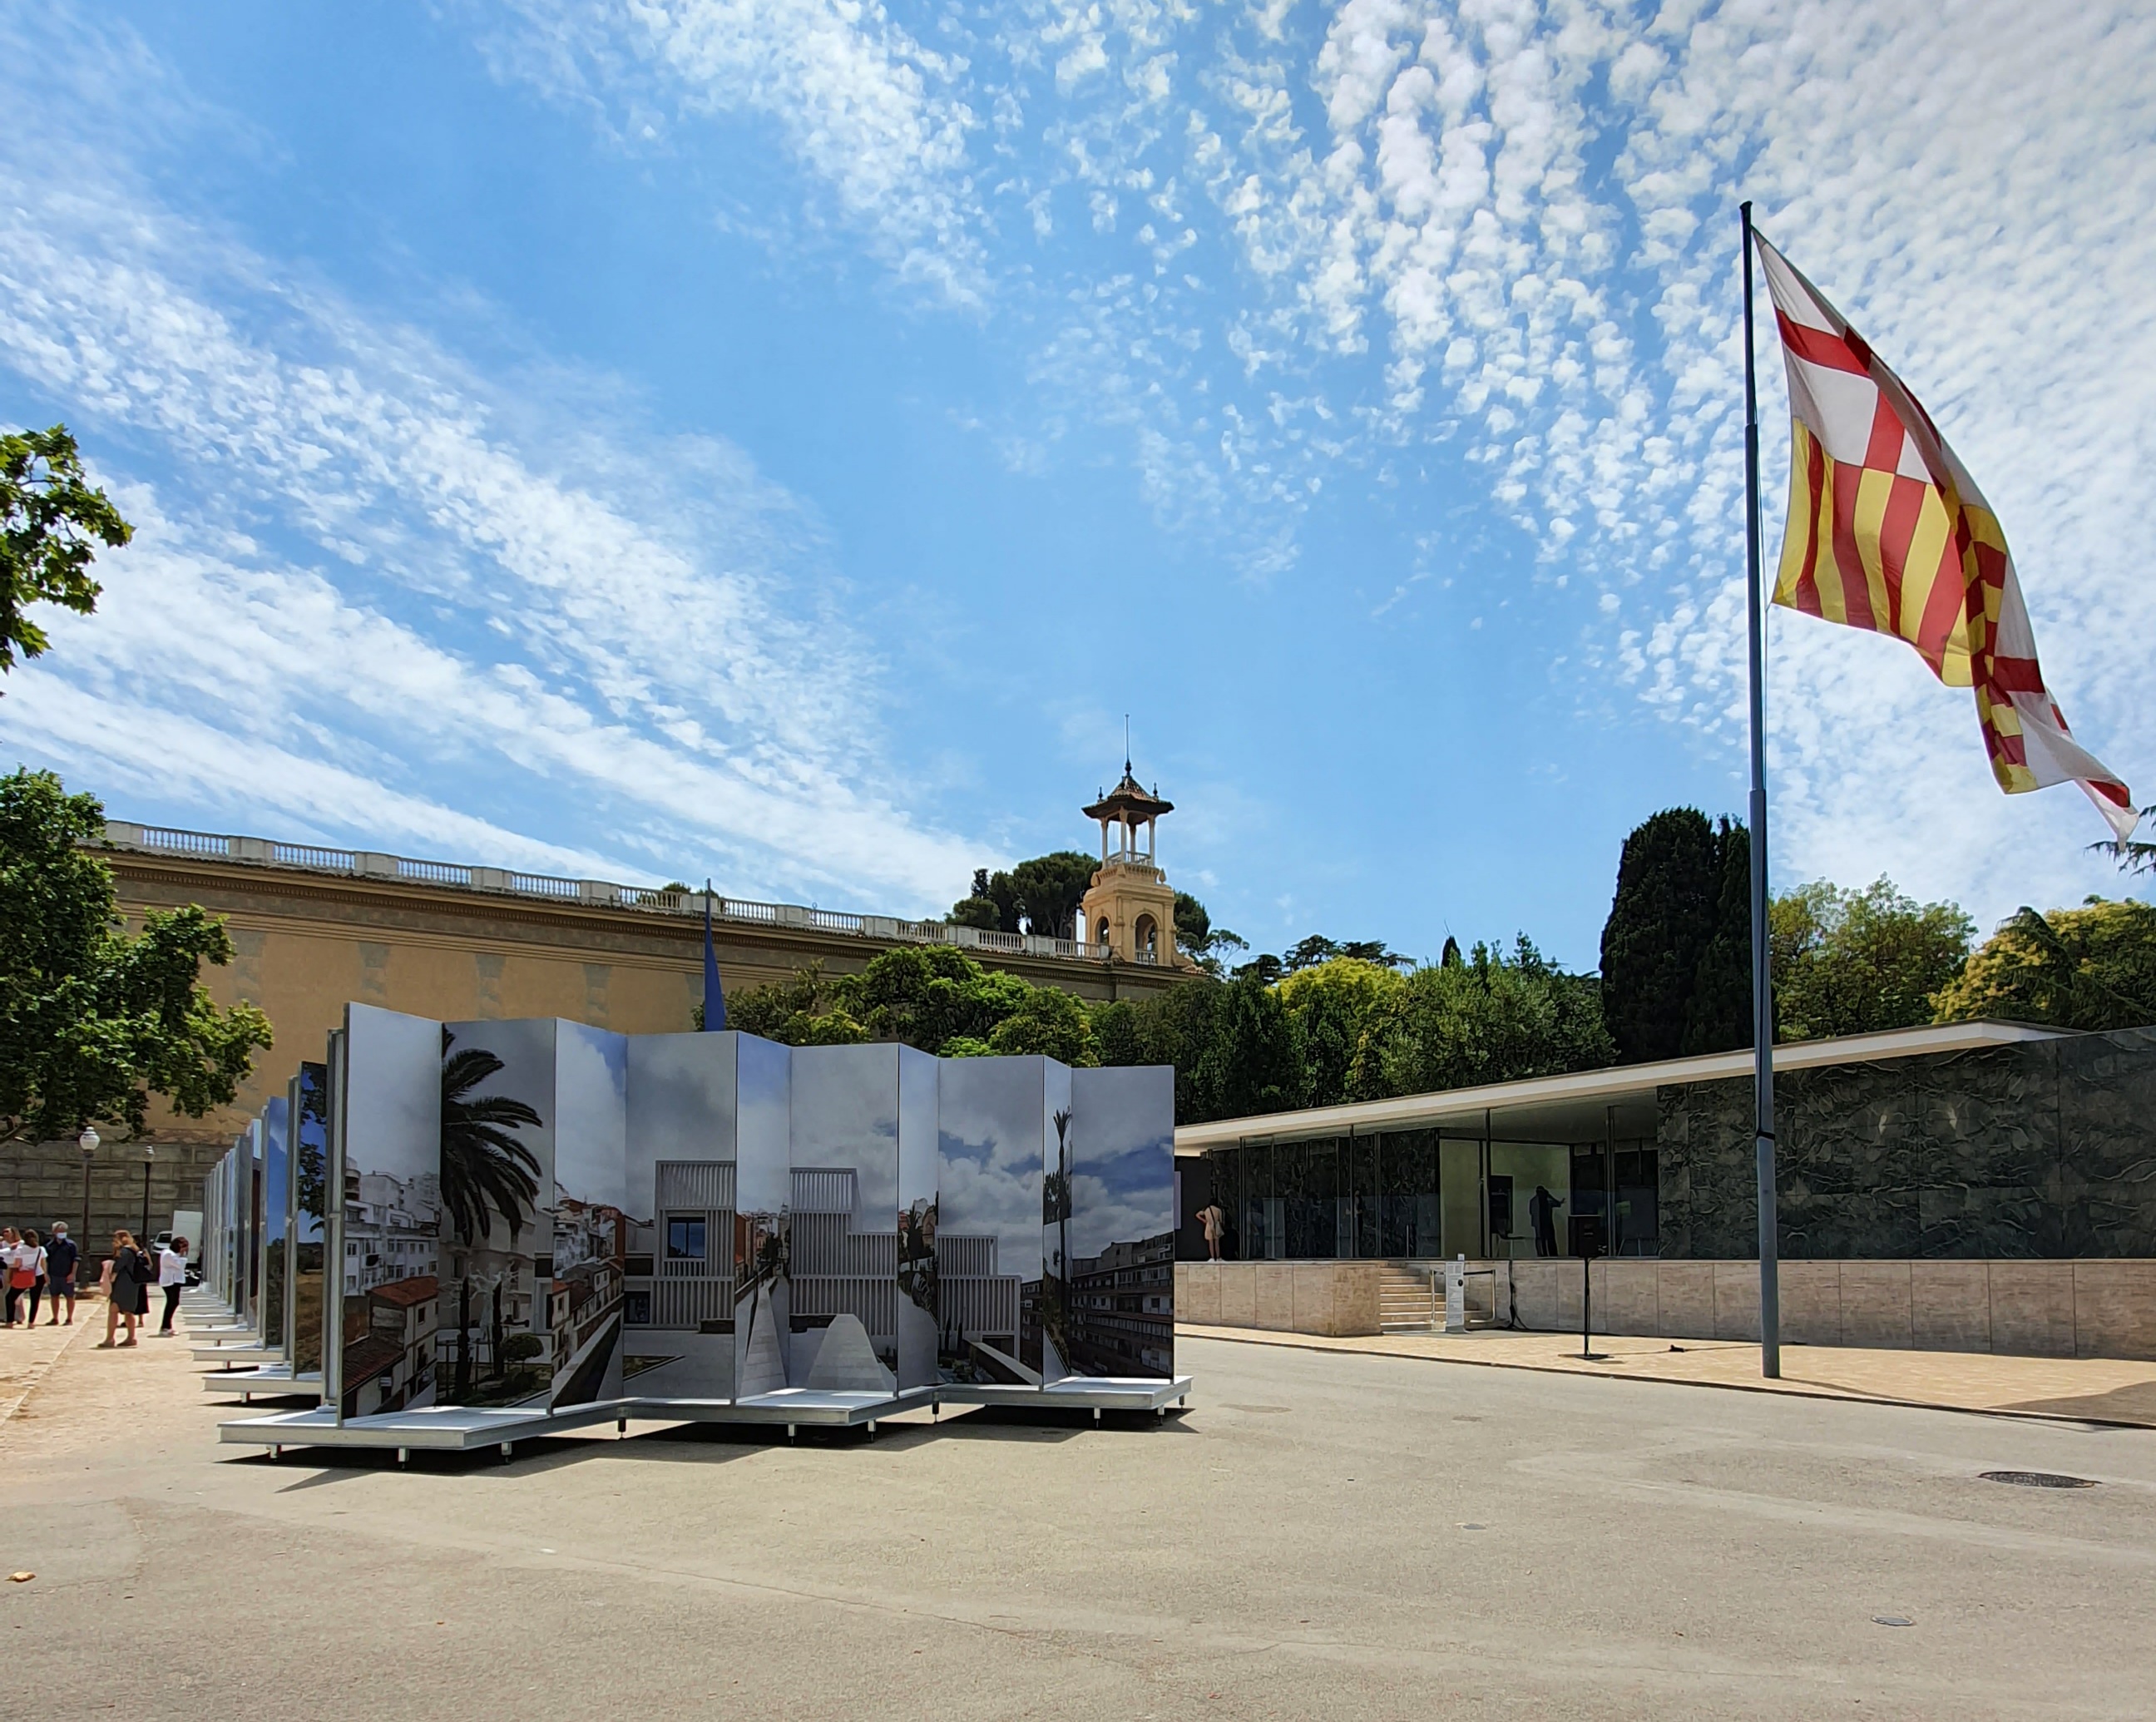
<point x="87" y="1142"/>
<point x="149" y="1154"/>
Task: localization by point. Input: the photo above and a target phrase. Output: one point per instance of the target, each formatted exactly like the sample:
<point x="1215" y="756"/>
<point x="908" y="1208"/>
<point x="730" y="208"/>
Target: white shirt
<point x="172" y="1268"/>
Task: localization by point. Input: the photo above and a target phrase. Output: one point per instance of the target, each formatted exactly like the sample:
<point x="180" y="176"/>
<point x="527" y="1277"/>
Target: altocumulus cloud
<point x="362" y="601"/>
<point x="1286" y="248"/>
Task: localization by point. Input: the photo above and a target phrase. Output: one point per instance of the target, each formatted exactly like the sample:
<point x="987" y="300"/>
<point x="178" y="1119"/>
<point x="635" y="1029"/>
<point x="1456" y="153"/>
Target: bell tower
<point x="1130" y="907"/>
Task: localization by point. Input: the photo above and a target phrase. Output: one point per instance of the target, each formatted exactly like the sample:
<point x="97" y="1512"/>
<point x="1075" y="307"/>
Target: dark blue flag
<point x="714" y="997"/>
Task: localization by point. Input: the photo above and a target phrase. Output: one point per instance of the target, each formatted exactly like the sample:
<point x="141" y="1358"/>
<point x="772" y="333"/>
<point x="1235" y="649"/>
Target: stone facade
<point x="42" y="1181"/>
<point x="2044" y="1150"/>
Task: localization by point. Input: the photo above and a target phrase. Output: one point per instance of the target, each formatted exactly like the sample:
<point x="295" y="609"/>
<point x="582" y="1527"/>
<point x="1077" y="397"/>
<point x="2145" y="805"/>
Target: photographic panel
<point x="590" y="1243"/>
<point x="276" y="1223"/>
<point x="678" y="1272"/>
<point x="1055" y="1242"/>
<point x="308" y="1109"/>
<point x="919" y="1217"/>
<point x="988" y="1220"/>
<point x="1121" y="1271"/>
<point x="495" y="1150"/>
<point x="762" y="1229"/>
<point x="390" y="1155"/>
<point x="842" y="1264"/>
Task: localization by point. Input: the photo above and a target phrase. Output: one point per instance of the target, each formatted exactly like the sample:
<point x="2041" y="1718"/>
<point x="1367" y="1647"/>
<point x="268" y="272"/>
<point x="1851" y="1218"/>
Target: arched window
<point x="1101" y="931"/>
<point x="1149" y="936"/>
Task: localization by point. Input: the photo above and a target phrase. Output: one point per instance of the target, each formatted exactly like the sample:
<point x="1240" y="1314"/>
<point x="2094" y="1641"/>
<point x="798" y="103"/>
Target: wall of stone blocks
<point x="42" y="1181"/>
<point x="2027" y="1309"/>
<point x="2043" y="1151"/>
<point x="1333" y="1297"/>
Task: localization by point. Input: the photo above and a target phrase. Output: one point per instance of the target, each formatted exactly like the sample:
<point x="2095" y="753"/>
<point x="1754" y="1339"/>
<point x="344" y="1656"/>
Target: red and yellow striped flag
<point x="1887" y="531"/>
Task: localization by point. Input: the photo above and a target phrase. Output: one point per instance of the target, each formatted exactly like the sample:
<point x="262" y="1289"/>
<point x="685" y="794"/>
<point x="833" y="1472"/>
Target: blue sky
<point x="780" y="441"/>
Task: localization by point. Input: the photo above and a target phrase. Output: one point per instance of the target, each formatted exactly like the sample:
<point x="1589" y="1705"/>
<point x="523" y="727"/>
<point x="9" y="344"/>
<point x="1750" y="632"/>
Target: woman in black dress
<point x="127" y="1288"/>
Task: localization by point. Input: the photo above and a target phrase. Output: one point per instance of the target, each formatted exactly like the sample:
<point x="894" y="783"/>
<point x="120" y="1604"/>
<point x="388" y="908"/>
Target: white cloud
<point x="370" y="590"/>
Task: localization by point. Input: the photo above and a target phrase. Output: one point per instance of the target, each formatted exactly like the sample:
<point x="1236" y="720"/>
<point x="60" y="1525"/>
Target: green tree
<point x="49" y="515"/>
<point x="1049" y="888"/>
<point x="1855" y="962"/>
<point x="1332" y="1006"/>
<point x="1251" y="1061"/>
<point x="1669" y="886"/>
<point x="1718" y="1014"/>
<point x="485" y="1165"/>
<point x="92" y="1021"/>
<point x="1489" y="1019"/>
<point x="2090" y="968"/>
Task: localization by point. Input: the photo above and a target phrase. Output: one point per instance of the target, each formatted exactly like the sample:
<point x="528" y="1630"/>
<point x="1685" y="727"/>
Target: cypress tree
<point x="1719" y="1017"/>
<point x="1669" y="884"/>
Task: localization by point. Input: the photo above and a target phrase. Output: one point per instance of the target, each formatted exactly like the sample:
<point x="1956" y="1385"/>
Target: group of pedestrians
<point x="43" y="1270"/>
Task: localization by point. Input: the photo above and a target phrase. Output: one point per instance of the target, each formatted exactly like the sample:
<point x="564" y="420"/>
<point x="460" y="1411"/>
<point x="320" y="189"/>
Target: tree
<point x="1199" y="939"/>
<point x="1669" y="883"/>
<point x="485" y="1165"/>
<point x="1251" y="1062"/>
<point x="1332" y="1006"/>
<point x="1489" y="1019"/>
<point x="1855" y="962"/>
<point x="1718" y="1014"/>
<point x="93" y="1022"/>
<point x="2133" y="854"/>
<point x="48" y="515"/>
<point x="2090" y="968"/>
<point x="1049" y="888"/>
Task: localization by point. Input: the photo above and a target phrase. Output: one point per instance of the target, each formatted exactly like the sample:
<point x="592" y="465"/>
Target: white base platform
<point x="236" y="1357"/>
<point x="268" y="1380"/>
<point x="1093" y="1393"/>
<point x="467" y="1428"/>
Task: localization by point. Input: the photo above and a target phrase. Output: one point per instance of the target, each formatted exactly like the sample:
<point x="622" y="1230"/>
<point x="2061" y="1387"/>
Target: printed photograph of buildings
<point x="988" y="1234"/>
<point x="677" y="1290"/>
<point x="590" y="1243"/>
<point x="496" y="1155"/>
<point x="307" y="1103"/>
<point x="392" y="1202"/>
<point x="1120" y="1197"/>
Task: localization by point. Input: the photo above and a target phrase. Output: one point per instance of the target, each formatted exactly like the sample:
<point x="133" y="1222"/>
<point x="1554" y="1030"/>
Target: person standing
<point x="1214" y="1222"/>
<point x="171" y="1277"/>
<point x="33" y="1251"/>
<point x="62" y="1257"/>
<point x="126" y="1289"/>
<point x="19" y="1278"/>
<point x="1541" y="1213"/>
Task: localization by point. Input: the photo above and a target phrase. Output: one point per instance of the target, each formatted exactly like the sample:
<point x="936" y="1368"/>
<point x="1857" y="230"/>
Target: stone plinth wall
<point x="2024" y="1308"/>
<point x="1336" y="1297"/>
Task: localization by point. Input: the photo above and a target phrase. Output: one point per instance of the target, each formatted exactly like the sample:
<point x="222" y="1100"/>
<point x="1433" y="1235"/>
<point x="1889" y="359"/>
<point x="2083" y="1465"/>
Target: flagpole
<point x="1763" y="1007"/>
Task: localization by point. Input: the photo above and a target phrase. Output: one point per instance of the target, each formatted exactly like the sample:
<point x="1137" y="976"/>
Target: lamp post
<point x="149" y="1157"/>
<point x="87" y="1142"/>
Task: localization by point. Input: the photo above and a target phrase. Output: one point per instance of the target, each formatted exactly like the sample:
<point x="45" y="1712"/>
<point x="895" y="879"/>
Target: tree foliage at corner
<point x="1719" y="1014"/>
<point x="92" y="1021"/>
<point x="1856" y="962"/>
<point x="2092" y="968"/>
<point x="1040" y="895"/>
<point x="49" y="516"/>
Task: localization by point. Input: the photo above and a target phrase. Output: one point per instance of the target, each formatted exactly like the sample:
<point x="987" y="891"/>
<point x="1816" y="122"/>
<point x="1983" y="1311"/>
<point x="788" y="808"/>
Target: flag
<point x="1887" y="531"/>
<point x="714" y="997"/>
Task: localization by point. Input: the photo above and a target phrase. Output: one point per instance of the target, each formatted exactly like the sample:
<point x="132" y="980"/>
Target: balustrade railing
<point x="457" y="875"/>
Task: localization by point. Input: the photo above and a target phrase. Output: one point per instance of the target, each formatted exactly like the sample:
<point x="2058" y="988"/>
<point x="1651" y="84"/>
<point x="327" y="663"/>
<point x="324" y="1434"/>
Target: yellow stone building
<point x="1130" y="909"/>
<point x="314" y="928"/>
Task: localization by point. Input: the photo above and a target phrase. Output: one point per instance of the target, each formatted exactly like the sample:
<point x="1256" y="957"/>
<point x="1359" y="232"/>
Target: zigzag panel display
<point x="537" y="1215"/>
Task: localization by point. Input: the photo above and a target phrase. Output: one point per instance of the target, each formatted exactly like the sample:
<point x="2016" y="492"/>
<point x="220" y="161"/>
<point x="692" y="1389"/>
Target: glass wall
<point x="1416" y="1194"/>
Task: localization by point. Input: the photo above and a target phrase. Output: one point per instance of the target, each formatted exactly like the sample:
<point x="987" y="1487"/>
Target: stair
<point x="1406" y="1302"/>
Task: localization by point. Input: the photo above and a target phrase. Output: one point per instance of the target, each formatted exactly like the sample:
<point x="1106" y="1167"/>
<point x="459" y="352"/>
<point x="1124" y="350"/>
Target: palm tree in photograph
<point x="485" y="1164"/>
<point x="487" y="1171"/>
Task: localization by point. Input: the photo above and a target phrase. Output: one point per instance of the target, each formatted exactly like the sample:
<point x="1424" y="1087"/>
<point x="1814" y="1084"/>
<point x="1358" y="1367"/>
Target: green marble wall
<point x="2043" y="1149"/>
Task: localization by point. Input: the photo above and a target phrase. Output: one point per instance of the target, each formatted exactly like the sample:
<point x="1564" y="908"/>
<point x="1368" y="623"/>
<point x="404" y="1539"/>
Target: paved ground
<point x="1323" y="1535"/>
<point x="2088" y="1389"/>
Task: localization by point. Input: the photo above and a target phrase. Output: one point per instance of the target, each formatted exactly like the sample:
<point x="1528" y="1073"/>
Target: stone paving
<point x="2086" y="1390"/>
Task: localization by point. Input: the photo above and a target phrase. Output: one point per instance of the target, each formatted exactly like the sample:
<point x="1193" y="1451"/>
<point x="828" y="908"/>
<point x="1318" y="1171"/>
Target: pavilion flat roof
<point x="1614" y="1085"/>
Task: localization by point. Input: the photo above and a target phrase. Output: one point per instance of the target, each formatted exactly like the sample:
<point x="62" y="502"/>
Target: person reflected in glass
<point x="1541" y="1215"/>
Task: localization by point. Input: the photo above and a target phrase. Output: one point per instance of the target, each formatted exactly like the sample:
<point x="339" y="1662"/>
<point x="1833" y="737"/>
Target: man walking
<point x="62" y="1256"/>
<point x="1541" y="1213"/>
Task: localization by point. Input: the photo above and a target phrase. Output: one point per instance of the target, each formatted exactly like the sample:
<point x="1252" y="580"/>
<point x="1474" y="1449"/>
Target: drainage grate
<point x="2038" y="1479"/>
